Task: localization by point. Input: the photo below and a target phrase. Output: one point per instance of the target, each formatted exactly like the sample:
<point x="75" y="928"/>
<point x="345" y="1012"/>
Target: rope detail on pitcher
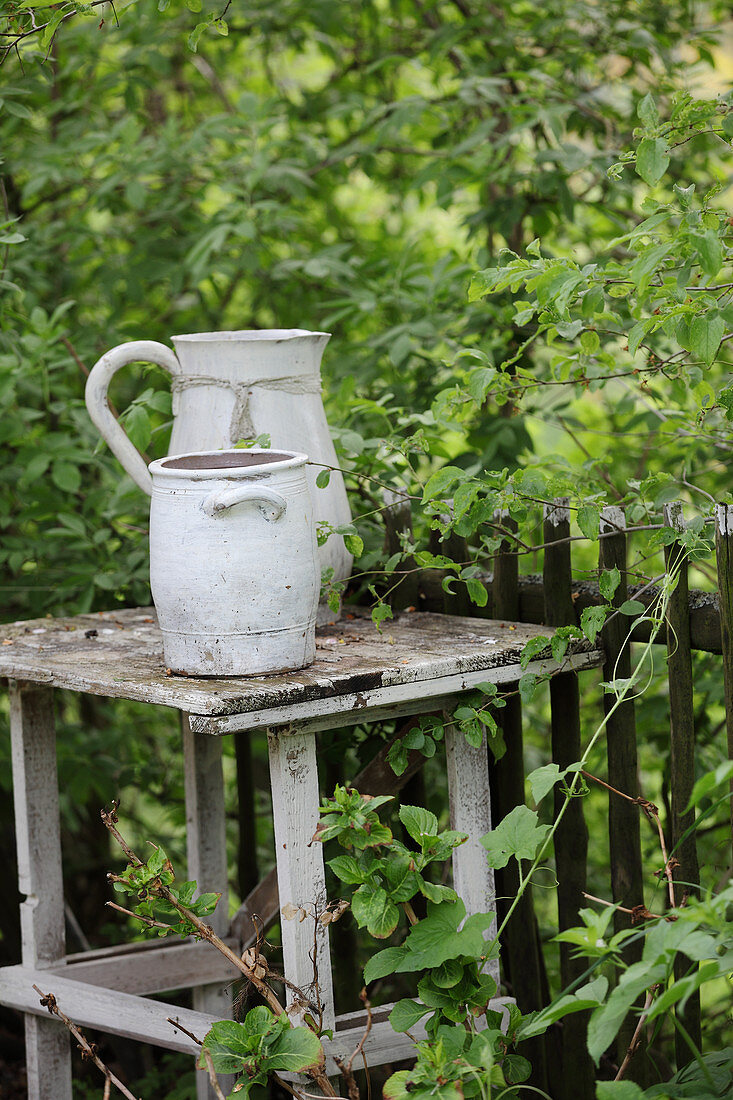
<point x="297" y="383"/>
<point x="241" y="425"/>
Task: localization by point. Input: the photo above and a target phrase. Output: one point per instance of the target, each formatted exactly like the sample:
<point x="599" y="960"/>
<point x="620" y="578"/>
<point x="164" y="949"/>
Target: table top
<point x="120" y="654"/>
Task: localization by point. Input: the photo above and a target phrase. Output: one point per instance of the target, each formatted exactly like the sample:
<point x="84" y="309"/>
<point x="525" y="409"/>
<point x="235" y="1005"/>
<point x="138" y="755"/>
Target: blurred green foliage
<point x="357" y="168"/>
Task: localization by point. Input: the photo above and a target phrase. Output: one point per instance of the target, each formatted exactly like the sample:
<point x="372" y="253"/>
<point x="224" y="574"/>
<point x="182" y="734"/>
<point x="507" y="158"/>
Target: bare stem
<point x="652" y="813"/>
<point x="138" y="916"/>
<point x="411" y="916"/>
<point x="365" y="1001"/>
<point x="639" y="913"/>
<point x="636" y="1037"/>
<point x="206" y="932"/>
<point x="212" y="1075"/>
<point x="48" y="1000"/>
<point x="179" y="1027"/>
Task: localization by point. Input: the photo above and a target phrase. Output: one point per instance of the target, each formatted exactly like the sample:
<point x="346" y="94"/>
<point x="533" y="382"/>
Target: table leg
<point x="207" y="862"/>
<point x="40" y="879"/>
<point x="470" y="812"/>
<point x="301" y="873"/>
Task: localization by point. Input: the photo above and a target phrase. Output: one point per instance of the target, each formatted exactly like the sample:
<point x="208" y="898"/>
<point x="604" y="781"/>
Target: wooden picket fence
<point x="695" y="621"/>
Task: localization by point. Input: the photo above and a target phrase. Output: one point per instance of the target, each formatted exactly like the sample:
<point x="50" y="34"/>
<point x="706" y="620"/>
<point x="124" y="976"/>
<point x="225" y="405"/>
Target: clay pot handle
<point x="271" y="504"/>
<point x="100" y="376"/>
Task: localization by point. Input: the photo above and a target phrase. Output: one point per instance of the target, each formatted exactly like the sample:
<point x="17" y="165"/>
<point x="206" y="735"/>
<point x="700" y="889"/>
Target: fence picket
<point x="682" y="757"/>
<point x="571" y="838"/>
<point x="724" y="555"/>
<point x="627" y="881"/>
<point x="397" y="524"/>
<point x="522" y="959"/>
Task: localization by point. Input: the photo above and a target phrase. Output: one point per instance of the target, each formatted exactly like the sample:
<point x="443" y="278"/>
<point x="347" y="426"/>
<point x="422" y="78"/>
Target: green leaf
<point x="527" y="687"/>
<point x="406" y="1014"/>
<point x="646" y="265"/>
<point x="384" y="963"/>
<point x="590" y="342"/>
<point x="397" y="757"/>
<point x="704" y="336"/>
<point x="542" y="780"/>
<point x="608" y="582"/>
<point x="477" y="591"/>
<point x="138" y="426"/>
<point x="395" y="1087"/>
<point x="347" y="869"/>
<point x="518" y="835"/>
<point x="402" y="880"/>
<point x="295" y="1050"/>
<point x="473" y="731"/>
<point x="354" y="544"/>
<point x="589" y="996"/>
<point x="482" y="283"/>
<point x="533" y="648"/>
<point x="710" y="251"/>
<point x="638" y="332"/>
<point x="591" y="621"/>
<point x="436" y="938"/>
<point x="66" y="477"/>
<point x="436" y="892"/>
<point x="420" y="824"/>
<point x="373" y="909"/>
<point x="652" y="160"/>
<point x="516" y="1068"/>
<point x="709" y="783"/>
<point x="589" y="519"/>
<point x="605" y="1021"/>
<point x="442" y="482"/>
<point x="632" y="607"/>
<point x="647" y="112"/>
<point x="618" y="1090"/>
<point x="381" y="612"/>
<point x="323" y="478"/>
<point x="195" y="35"/>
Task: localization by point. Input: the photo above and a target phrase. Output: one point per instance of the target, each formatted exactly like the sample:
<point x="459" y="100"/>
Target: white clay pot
<point x="229" y="386"/>
<point x="233" y="562"/>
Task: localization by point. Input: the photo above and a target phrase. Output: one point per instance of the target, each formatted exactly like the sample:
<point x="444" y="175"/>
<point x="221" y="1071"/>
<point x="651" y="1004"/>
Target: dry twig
<point x="87" y="1049"/>
<point x="206" y="932"/>
<point x="212" y="1075"/>
<point x="636" y="1037"/>
<point x="347" y="1068"/>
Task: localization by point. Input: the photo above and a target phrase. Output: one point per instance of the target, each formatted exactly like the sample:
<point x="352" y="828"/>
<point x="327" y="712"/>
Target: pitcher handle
<point x="271" y="504"/>
<point x="100" y="376"/>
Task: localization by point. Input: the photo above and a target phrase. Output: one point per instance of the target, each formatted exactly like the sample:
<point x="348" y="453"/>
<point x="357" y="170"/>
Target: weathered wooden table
<point x="420" y="662"/>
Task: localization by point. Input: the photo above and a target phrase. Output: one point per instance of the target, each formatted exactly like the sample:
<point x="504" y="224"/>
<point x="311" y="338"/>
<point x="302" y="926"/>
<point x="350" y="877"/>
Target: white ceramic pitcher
<point x="233" y="562"/>
<point x="229" y="386"/>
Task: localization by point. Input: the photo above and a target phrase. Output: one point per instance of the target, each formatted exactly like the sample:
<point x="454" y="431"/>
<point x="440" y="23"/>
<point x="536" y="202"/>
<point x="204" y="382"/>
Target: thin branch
<point x="18" y="36"/>
<point x="138" y="916"/>
<point x="212" y="1075"/>
<point x="48" y="1001"/>
<point x="652" y="813"/>
<point x="367" y="1005"/>
<point x="206" y="932"/>
<point x="638" y="913"/>
<point x="74" y="355"/>
<point x="411" y="916"/>
<point x="636" y="1037"/>
<point x="179" y="1027"/>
